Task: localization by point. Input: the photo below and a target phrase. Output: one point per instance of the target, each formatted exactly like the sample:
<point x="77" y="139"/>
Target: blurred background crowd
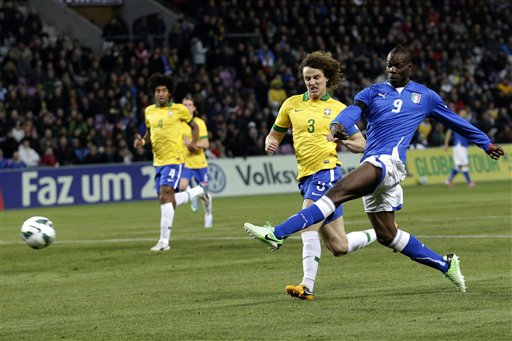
<point x="62" y="104"/>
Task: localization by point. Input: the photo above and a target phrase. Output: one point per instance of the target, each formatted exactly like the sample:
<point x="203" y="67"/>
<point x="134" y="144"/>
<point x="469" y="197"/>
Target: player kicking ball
<point x="393" y="109"/>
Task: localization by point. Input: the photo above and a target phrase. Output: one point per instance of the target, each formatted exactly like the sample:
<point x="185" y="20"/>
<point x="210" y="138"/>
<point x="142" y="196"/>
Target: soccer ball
<point x="38" y="232"/>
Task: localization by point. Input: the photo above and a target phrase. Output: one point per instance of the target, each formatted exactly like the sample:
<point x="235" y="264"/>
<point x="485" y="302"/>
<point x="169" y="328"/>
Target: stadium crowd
<point x="60" y="104"/>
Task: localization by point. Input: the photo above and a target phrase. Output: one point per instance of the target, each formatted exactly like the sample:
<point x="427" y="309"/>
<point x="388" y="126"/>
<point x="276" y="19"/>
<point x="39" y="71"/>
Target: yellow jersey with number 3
<point x="309" y="120"/>
<point x="165" y="126"/>
<point x="197" y="159"/>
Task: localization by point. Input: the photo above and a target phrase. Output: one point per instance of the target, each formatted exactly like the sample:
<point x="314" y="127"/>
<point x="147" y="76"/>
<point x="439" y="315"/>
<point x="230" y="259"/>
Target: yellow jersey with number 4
<point x="197" y="159"/>
<point x="165" y="126"/>
<point x="309" y="120"/>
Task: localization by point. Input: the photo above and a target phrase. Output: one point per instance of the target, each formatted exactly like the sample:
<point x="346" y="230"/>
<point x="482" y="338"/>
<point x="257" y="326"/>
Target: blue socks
<point x="453" y="174"/>
<point x="466" y="175"/>
<point x="408" y="245"/>
<point x="304" y="218"/>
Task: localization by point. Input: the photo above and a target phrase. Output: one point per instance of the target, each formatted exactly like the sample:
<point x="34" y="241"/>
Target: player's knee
<point x="339" y="253"/>
<point x="385" y="237"/>
<point x="338" y="249"/>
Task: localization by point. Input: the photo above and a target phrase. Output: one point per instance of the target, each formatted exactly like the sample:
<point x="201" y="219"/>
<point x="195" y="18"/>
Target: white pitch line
<point x="131" y="240"/>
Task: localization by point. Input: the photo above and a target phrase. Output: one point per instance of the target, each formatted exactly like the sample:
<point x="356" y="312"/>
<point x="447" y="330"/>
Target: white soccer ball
<point x="38" y="232"/>
<point x="422" y="180"/>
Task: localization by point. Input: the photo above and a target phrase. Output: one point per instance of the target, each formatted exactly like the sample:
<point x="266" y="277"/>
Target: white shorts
<point x="388" y="195"/>
<point x="460" y="155"/>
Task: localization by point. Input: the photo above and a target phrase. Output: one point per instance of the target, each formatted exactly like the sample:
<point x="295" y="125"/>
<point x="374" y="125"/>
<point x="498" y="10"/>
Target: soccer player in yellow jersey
<point x="309" y="116"/>
<point x="164" y="123"/>
<point x="196" y="165"/>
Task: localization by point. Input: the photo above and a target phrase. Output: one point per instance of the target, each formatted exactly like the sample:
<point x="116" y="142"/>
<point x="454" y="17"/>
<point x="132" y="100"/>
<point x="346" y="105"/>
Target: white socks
<point x="184" y="197"/>
<point x="311" y="252"/>
<point x="400" y="241"/>
<point x="359" y="239"/>
<point x="166" y="219"/>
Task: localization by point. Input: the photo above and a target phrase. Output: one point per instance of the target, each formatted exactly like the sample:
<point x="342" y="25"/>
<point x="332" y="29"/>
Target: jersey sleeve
<point x="185" y="115"/>
<point x="283" y="121"/>
<point x="441" y="113"/>
<point x="352" y="114"/>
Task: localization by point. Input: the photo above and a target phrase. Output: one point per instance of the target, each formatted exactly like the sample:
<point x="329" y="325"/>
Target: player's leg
<point x="311" y="254"/>
<point x="341" y="243"/>
<point x="453" y="174"/>
<point x="462" y="162"/>
<point x="381" y="206"/>
<point x="357" y="183"/>
<point x="197" y="192"/>
<point x="167" y="179"/>
<point x="201" y="176"/>
<point x="405" y="243"/>
<point x="185" y="183"/>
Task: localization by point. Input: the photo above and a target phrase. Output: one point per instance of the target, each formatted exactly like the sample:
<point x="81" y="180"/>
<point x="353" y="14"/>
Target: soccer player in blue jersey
<point x="308" y="115"/>
<point x="460" y="155"/>
<point x="164" y="123"/>
<point x="393" y="109"/>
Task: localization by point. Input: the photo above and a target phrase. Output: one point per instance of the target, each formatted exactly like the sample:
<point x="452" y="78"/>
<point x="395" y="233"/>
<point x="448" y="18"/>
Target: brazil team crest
<point x="327" y="112"/>
<point x="416" y="97"/>
<point x="170" y="113"/>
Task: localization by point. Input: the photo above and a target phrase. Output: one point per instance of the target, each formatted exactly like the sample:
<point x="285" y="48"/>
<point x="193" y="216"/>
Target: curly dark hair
<point x="333" y="69"/>
<point x="157" y="79"/>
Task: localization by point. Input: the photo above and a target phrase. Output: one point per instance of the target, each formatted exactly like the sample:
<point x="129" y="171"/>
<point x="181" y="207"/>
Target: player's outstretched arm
<point x="495" y="151"/>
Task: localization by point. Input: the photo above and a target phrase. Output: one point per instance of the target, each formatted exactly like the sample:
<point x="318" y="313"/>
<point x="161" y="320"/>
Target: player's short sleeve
<point x="185" y="115"/>
<point x="283" y="121"/>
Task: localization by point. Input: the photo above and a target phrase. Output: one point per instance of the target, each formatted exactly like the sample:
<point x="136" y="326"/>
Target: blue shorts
<point x="169" y="175"/>
<point x="200" y="175"/>
<point x="313" y="187"/>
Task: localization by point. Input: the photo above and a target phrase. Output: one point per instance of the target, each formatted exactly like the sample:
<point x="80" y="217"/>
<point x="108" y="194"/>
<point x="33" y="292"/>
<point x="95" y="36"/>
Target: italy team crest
<point x="416" y="97"/>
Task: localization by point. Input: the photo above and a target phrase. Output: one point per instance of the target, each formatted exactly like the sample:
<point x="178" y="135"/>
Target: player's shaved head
<point x="400" y="49"/>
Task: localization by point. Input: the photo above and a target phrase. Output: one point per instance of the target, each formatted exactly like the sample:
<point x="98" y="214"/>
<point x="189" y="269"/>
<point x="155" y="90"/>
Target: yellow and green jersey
<point x="165" y="126"/>
<point x="197" y="159"/>
<point x="309" y="120"/>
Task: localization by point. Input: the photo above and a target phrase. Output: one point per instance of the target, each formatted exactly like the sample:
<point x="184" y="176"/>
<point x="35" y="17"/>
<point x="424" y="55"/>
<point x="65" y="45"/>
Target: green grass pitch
<point x="100" y="281"/>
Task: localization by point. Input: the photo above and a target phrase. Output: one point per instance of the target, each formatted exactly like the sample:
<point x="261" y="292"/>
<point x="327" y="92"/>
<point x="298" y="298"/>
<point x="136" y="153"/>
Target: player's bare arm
<point x="447" y="138"/>
<point x="273" y="140"/>
<point x="355" y="143"/>
<point x="193" y="147"/>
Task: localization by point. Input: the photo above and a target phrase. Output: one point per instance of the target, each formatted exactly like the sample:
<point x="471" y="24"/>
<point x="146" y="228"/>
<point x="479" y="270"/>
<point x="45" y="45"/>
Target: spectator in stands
<point x="27" y="154"/>
<point x="64" y="152"/>
<point x="276" y="93"/>
<point x="16" y="161"/>
<point x="198" y="52"/>
<point x="9" y="145"/>
<point x="473" y="72"/>
<point x="49" y="159"/>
